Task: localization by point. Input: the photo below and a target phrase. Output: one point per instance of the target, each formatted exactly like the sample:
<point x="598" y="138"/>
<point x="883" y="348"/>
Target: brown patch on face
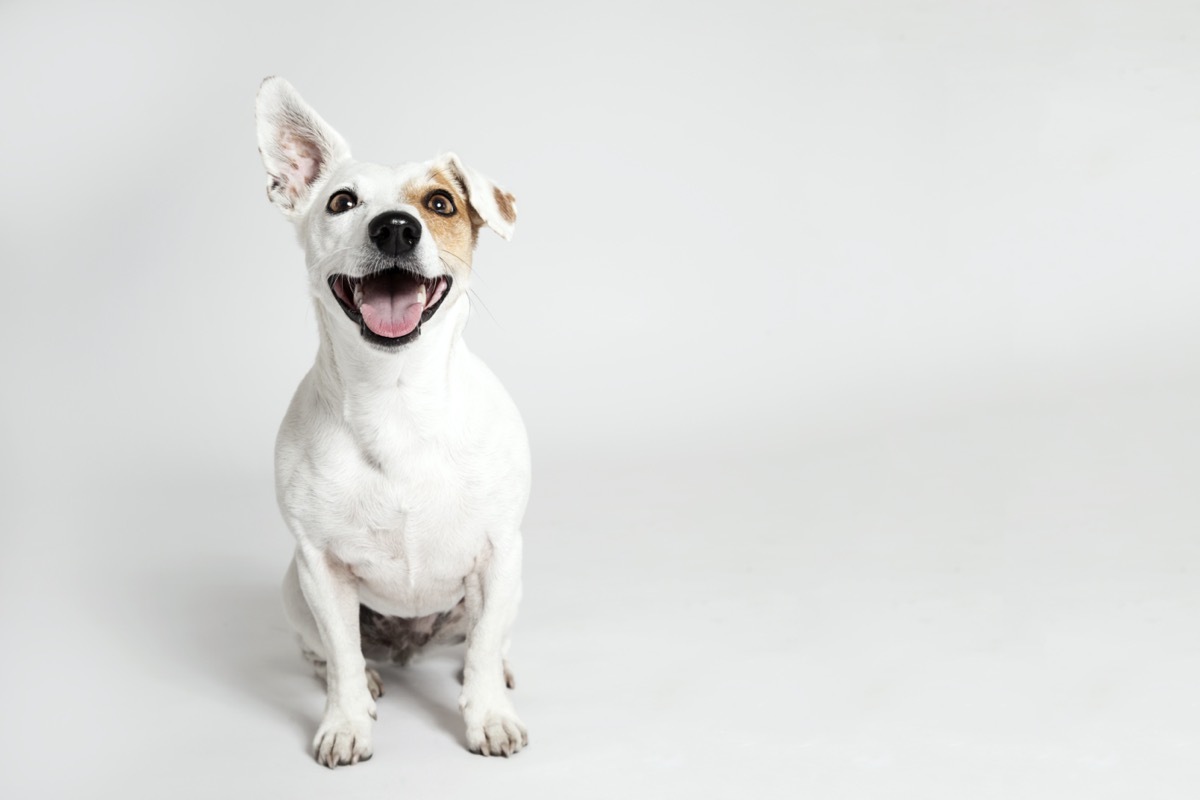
<point x="455" y="235"/>
<point x="505" y="201"/>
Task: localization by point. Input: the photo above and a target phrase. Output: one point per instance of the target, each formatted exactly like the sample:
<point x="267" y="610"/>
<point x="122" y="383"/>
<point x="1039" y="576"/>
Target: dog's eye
<point x="341" y="201"/>
<point x="440" y="203"/>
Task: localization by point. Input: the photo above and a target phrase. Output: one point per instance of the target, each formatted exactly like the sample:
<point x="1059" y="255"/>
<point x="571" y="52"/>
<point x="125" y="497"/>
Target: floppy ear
<point x="490" y="205"/>
<point x="298" y="148"/>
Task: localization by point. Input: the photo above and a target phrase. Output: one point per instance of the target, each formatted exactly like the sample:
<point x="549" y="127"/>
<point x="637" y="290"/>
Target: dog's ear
<point x="490" y="205"/>
<point x="298" y="148"/>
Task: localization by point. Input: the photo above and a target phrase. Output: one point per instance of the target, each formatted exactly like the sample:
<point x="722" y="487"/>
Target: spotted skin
<point x="397" y="639"/>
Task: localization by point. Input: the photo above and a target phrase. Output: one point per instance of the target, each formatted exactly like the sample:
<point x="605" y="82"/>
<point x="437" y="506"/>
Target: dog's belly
<point x="398" y="588"/>
<point x="414" y="569"/>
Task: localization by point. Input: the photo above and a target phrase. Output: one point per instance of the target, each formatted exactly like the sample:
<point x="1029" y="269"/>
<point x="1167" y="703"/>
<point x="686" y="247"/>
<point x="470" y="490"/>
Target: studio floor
<point x="993" y="602"/>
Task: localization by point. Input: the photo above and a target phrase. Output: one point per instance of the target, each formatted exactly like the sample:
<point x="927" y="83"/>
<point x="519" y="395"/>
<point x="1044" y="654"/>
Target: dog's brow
<point x="451" y="179"/>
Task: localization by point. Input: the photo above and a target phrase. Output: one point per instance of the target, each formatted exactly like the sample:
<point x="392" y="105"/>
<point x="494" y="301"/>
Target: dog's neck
<point x="352" y="373"/>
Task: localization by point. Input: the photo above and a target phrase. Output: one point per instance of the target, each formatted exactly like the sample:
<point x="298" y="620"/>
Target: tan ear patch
<point x="504" y="201"/>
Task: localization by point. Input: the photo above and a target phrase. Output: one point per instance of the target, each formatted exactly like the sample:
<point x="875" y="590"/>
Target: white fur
<point x="402" y="474"/>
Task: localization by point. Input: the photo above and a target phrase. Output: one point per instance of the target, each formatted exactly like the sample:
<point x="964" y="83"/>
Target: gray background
<point x="857" y="343"/>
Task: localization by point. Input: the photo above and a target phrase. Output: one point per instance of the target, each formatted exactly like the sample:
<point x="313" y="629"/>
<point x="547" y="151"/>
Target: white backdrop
<point x="793" y="286"/>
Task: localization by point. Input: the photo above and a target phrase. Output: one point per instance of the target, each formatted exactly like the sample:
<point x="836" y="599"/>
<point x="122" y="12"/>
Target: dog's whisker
<point x="475" y="294"/>
<point x="325" y="259"/>
<point x="474" y="270"/>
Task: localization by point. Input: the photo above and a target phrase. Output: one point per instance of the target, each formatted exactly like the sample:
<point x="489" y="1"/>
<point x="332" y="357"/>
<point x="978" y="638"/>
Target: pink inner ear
<point x="304" y="162"/>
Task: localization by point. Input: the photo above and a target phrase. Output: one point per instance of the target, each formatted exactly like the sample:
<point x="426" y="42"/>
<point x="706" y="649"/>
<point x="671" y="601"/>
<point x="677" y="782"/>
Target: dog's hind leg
<point x="374" y="682"/>
<point x="296" y="609"/>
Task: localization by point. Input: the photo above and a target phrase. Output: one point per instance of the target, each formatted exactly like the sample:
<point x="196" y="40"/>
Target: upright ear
<point x="490" y="205"/>
<point x="298" y="148"/>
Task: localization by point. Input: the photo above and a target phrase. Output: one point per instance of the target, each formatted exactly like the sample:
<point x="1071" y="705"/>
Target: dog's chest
<point x="407" y="483"/>
<point x="408" y="529"/>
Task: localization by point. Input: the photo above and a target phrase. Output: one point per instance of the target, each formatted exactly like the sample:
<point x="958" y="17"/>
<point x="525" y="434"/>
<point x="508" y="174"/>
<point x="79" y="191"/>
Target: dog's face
<point x="386" y="247"/>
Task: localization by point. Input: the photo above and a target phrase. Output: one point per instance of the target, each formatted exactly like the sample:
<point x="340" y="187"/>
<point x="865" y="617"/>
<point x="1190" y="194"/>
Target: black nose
<point x="394" y="232"/>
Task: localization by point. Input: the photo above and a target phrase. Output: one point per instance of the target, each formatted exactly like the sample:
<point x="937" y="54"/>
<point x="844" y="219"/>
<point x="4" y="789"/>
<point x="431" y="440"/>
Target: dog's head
<point x="387" y="247"/>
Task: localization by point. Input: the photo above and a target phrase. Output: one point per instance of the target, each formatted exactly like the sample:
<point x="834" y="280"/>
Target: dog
<point x="402" y="465"/>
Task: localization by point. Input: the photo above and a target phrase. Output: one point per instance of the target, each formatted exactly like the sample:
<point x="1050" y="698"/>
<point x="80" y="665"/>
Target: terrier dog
<point x="402" y="465"/>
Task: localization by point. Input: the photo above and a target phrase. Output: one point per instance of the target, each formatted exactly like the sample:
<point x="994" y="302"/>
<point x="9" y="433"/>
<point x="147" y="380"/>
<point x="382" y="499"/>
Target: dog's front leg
<point x="331" y="591"/>
<point x="492" y="594"/>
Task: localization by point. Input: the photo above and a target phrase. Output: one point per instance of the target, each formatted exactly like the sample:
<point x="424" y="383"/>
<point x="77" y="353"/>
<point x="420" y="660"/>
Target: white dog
<point x="402" y="466"/>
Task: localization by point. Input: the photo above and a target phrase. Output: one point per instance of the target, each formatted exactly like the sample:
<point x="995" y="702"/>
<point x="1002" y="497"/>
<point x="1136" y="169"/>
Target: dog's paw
<point x="495" y="731"/>
<point x="374" y="684"/>
<point x="342" y="739"/>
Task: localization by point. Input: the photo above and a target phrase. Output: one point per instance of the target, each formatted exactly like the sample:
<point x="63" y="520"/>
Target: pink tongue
<point x="391" y="308"/>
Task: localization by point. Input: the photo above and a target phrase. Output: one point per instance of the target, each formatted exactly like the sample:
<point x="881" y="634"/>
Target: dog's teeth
<point x="422" y="293"/>
<point x="358" y="295"/>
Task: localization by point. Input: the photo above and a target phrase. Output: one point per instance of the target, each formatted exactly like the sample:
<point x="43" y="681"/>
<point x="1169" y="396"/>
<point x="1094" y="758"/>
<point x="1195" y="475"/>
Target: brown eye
<point x="440" y="203"/>
<point x="341" y="201"/>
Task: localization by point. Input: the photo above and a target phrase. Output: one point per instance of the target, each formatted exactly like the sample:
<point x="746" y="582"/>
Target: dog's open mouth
<point x="391" y="304"/>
